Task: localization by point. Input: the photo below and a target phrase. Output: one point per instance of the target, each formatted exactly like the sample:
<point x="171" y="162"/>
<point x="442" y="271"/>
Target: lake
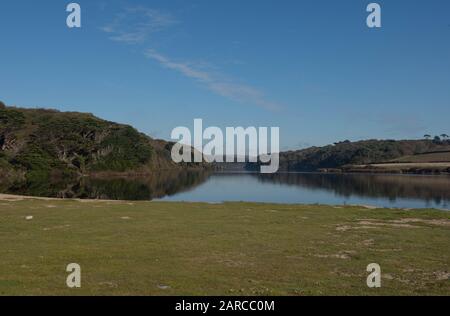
<point x="396" y="191"/>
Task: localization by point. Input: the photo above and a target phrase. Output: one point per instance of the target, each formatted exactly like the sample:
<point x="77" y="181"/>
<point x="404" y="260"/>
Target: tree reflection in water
<point x="428" y="188"/>
<point x="247" y="187"/>
<point x="157" y="185"/>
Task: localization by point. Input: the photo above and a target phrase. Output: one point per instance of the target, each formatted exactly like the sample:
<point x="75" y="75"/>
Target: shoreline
<point x="18" y="198"/>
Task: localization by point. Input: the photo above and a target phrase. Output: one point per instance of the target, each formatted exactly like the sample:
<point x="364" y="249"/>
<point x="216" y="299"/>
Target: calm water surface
<point x="402" y="191"/>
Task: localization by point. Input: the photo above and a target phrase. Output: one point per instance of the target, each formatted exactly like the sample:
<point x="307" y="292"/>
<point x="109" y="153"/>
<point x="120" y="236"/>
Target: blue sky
<point x="313" y="68"/>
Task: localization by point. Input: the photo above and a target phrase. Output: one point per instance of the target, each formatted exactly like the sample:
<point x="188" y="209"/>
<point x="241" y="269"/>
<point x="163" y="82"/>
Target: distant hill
<point x="366" y="152"/>
<point x="43" y="143"/>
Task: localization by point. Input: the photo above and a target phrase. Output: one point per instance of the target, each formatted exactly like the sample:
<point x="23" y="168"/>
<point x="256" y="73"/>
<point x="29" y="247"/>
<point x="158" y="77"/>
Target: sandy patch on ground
<point x="15" y="198"/>
<point x="399" y="223"/>
<point x="345" y="255"/>
<point x="375" y="223"/>
<point x="368" y="242"/>
<point x="437" y="222"/>
<point x="56" y="227"/>
<point x="11" y="198"/>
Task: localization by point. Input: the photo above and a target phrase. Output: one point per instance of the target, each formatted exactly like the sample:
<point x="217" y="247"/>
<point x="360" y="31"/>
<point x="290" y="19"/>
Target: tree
<point x="2" y="105"/>
<point x="444" y="136"/>
<point x="427" y="136"/>
<point x="436" y="140"/>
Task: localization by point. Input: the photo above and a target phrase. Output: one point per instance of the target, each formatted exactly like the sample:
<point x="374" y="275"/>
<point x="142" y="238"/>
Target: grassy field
<point x="403" y="167"/>
<point x="148" y="248"/>
<point x="435" y="157"/>
<point x="434" y="162"/>
<point x="406" y="165"/>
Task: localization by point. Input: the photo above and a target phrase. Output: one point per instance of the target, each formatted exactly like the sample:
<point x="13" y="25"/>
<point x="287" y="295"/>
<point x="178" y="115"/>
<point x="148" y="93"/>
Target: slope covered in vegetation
<point x="40" y="142"/>
<point x="357" y="153"/>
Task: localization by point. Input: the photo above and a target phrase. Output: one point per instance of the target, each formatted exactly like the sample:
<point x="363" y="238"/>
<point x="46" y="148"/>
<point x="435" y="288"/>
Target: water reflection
<point x="380" y="190"/>
<point x="151" y="187"/>
<point x="403" y="191"/>
<point x="392" y="187"/>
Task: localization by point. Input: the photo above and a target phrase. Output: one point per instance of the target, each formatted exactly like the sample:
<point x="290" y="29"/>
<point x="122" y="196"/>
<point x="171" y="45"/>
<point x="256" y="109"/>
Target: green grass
<point x="149" y="248"/>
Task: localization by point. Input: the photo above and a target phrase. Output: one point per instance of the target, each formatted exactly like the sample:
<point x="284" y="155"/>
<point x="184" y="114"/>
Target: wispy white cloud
<point x="226" y="88"/>
<point x="135" y="25"/>
<point x="184" y="68"/>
